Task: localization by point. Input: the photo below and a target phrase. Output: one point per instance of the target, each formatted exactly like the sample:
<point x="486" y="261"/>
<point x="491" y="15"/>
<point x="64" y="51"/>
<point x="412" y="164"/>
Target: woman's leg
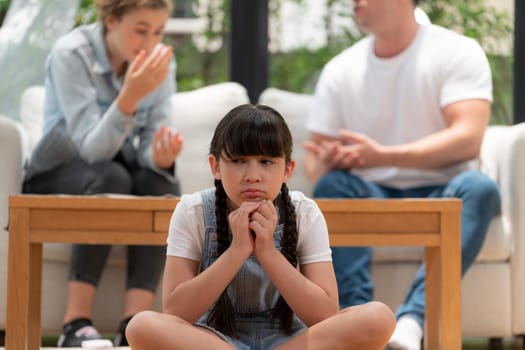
<point x="145" y="266"/>
<point x="87" y="261"/>
<point x="145" y="263"/>
<point x="153" y="330"/>
<point x="367" y="326"/>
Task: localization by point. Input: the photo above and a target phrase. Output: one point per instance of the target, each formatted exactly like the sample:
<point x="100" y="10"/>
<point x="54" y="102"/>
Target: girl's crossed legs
<point x="368" y="326"/>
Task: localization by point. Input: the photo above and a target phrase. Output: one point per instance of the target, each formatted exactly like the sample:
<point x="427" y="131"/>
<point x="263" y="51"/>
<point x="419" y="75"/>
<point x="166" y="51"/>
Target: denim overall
<point x="251" y="291"/>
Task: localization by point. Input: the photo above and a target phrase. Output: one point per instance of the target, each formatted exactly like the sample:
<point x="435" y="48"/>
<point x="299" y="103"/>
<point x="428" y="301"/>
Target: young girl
<point x="249" y="263"/>
<point x="108" y="85"/>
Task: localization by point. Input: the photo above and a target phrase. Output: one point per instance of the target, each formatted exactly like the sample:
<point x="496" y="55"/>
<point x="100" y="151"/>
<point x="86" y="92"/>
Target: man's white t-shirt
<point x="186" y="230"/>
<point x="400" y="99"/>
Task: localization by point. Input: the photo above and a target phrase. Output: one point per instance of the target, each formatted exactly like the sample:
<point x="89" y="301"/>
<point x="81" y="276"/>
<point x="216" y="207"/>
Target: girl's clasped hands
<point x="253" y="226"/>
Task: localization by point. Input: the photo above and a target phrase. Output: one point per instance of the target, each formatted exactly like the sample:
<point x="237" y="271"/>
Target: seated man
<point x="400" y="114"/>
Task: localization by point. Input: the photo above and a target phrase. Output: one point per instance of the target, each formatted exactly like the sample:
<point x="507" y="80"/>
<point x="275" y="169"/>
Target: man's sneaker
<point x="81" y="333"/>
<point x="120" y="338"/>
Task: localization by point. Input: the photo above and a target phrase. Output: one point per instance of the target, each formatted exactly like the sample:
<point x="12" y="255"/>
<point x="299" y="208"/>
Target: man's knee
<point x="340" y="184"/>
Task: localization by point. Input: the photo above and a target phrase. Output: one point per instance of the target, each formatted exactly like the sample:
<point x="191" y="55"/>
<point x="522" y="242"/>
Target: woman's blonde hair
<point x="118" y="8"/>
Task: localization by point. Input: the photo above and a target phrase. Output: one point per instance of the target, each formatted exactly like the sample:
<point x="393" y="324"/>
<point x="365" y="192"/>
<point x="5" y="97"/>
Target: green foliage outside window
<point x="4" y="4"/>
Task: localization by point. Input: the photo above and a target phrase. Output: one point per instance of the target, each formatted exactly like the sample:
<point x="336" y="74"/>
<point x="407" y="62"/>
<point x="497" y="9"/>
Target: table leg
<point x="18" y="279"/>
<point x="35" y="297"/>
<point x="433" y="298"/>
<point x="451" y="281"/>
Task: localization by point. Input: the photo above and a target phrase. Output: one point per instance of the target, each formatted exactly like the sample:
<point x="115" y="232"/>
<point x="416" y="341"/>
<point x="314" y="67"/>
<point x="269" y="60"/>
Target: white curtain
<point x="29" y="30"/>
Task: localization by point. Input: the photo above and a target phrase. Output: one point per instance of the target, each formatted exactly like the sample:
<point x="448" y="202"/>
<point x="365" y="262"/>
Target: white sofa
<point x="492" y="288"/>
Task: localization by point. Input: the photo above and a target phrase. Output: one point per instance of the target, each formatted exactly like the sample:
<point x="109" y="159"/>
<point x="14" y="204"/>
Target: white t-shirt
<point x="186" y="231"/>
<point x="400" y="99"/>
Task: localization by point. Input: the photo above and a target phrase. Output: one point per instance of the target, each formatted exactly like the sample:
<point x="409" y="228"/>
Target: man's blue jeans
<point x="481" y="202"/>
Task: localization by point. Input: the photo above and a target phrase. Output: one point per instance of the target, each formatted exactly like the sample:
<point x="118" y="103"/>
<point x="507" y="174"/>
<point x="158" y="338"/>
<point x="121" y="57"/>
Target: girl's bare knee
<point x="140" y="325"/>
<point x="384" y="316"/>
<point x="374" y="321"/>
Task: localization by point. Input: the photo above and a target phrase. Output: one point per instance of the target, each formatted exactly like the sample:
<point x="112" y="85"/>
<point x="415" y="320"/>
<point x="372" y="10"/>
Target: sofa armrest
<point x="502" y="157"/>
<point x="11" y="158"/>
<point x="32" y="115"/>
<point x="12" y="152"/>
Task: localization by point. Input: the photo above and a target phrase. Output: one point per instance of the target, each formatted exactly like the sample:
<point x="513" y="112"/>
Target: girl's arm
<point x="188" y="293"/>
<point x="311" y="293"/>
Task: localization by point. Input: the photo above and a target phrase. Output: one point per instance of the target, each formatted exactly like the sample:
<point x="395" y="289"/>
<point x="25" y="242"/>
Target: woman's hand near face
<point x="263" y="222"/>
<point x="166" y="146"/>
<point x="145" y="74"/>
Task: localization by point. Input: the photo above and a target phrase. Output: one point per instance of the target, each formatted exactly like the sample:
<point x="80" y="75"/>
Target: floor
<point x="465" y="347"/>
<point x="483" y="344"/>
<point x="468" y="344"/>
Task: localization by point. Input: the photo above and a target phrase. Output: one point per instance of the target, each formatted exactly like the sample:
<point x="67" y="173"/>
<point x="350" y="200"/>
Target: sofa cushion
<point x="294" y="108"/>
<point x="196" y="116"/>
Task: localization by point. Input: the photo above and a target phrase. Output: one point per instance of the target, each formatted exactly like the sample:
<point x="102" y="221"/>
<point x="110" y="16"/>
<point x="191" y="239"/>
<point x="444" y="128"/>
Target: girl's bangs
<point x="256" y="136"/>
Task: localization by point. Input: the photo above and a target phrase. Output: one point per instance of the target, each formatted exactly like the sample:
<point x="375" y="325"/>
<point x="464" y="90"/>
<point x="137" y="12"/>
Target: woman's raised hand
<point x="167" y="146"/>
<point x="145" y="74"/>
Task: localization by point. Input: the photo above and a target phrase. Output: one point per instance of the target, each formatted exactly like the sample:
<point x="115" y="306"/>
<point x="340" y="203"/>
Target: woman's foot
<point x="81" y="333"/>
<point x="120" y="338"/>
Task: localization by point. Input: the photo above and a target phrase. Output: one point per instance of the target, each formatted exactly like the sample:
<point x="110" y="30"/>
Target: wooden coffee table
<point x="38" y="219"/>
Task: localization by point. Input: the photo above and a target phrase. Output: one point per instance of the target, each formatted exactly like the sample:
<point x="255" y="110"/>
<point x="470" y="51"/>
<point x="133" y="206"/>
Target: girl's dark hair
<point x="252" y="130"/>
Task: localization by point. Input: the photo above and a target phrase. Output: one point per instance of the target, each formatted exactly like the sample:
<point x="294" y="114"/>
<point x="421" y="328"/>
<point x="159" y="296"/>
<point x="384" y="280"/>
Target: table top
<point x="126" y="202"/>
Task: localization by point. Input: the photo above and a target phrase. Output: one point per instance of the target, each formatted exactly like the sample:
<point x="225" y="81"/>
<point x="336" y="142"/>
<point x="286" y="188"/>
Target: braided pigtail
<point x="221" y="316"/>
<point x="289" y="249"/>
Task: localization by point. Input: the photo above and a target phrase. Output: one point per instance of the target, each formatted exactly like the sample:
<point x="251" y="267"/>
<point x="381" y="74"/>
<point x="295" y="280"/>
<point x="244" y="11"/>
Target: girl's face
<point x="251" y="178"/>
<point x="137" y="30"/>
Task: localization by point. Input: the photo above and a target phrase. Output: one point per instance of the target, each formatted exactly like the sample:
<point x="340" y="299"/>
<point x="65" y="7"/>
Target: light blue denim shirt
<point x="81" y="117"/>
